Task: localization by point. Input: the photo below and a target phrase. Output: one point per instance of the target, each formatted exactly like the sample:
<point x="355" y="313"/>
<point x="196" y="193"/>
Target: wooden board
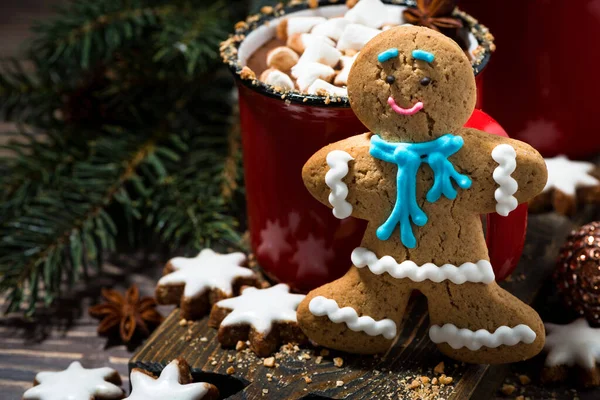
<point x="363" y="377"/>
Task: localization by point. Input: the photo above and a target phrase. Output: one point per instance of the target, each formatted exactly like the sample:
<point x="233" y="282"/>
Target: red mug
<point x="544" y="89"/>
<point x="297" y="240"/>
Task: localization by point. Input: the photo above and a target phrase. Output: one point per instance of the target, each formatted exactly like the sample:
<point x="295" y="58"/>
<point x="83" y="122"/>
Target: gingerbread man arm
<point x="504" y="172"/>
<point x="345" y="177"/>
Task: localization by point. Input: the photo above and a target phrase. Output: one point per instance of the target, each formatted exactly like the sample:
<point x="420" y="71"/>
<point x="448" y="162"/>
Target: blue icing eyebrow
<point x="423" y="55"/>
<point x="388" y="54"/>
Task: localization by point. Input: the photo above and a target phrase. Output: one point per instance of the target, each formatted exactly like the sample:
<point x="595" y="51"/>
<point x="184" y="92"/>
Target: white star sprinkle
<point x="208" y="270"/>
<point x="167" y="386"/>
<point x="74" y="383"/>
<point x="575" y="343"/>
<point x="566" y="175"/>
<point x="260" y="308"/>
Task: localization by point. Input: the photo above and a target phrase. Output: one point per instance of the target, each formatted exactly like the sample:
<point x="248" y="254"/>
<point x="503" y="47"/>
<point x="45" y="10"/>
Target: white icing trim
<point x="506" y="156"/>
<point x="475" y="340"/>
<point x="479" y="272"/>
<point x="338" y="163"/>
<point x="321" y="306"/>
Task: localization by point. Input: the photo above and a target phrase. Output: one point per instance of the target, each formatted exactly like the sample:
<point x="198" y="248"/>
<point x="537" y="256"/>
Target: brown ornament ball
<point x="577" y="274"/>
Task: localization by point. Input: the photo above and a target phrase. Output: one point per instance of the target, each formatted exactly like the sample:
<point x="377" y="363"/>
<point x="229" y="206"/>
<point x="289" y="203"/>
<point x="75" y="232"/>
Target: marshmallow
<point x="277" y="79"/>
<point x="322" y="88"/>
<point x="322" y="53"/>
<point x="342" y="77"/>
<point x="289" y="26"/>
<point x="282" y="58"/>
<point x="307" y="73"/>
<point x="300" y="41"/>
<point x="371" y="13"/>
<point x="355" y="36"/>
<point x="333" y="28"/>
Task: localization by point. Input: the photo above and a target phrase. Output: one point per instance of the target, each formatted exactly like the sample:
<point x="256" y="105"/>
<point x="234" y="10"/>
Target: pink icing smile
<point x="405" y="111"/>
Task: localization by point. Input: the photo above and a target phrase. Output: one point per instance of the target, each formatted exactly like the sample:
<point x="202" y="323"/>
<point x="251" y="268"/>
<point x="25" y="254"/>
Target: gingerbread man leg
<point x="344" y="315"/>
<point x="482" y="323"/>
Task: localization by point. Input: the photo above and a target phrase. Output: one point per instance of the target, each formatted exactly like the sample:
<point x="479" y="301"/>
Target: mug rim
<point x="229" y="50"/>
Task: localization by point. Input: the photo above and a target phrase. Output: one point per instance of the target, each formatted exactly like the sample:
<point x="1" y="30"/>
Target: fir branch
<point x="194" y="37"/>
<point x="91" y="31"/>
<point x="66" y="226"/>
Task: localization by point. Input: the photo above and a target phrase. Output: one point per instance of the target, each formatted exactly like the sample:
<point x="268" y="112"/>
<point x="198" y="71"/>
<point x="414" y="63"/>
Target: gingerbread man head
<point x="412" y="84"/>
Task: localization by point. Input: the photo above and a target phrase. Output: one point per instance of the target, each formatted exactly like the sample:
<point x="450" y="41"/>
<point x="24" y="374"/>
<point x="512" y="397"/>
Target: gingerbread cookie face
<point x="412" y="84"/>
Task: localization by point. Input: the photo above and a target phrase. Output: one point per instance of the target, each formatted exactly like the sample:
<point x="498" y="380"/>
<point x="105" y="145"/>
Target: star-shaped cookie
<point x="569" y="184"/>
<point x="76" y="382"/>
<point x="174" y="382"/>
<point x="197" y="283"/>
<point x="569" y="345"/>
<point x="265" y="317"/>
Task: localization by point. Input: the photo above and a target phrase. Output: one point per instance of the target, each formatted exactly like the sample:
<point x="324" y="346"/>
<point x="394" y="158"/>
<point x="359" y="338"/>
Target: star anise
<point x="433" y="14"/>
<point x="128" y="313"/>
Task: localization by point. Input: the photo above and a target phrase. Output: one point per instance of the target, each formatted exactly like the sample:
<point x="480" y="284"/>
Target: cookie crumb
<point x="439" y="369"/>
<point x="338" y="362"/>
<point x="524" y="379"/>
<point x="265" y="391"/>
<point x="318" y="360"/>
<point x="307" y="379"/>
<point x="269" y="362"/>
<point x="213" y="362"/>
<point x="414" y="384"/>
<point x="434" y="381"/>
<point x="247" y="73"/>
<point x="339" y="383"/>
<point x="266" y="10"/>
<point x="313" y="3"/>
<point x="230" y="370"/>
<point x="240" y="345"/>
<point x="425" y="379"/>
<point x="182" y="322"/>
<point x="445" y="380"/>
<point x="508" y="389"/>
<point x="203" y="339"/>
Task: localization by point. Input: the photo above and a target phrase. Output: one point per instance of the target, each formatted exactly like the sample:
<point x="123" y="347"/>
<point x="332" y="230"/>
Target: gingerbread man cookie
<point x="421" y="181"/>
<point x="199" y="282"/>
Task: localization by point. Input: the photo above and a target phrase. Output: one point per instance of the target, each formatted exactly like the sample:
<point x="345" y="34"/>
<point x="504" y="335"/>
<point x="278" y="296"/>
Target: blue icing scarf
<point x="409" y="157"/>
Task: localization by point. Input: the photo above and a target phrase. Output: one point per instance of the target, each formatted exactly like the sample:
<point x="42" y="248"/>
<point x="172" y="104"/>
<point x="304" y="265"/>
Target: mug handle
<point x="505" y="236"/>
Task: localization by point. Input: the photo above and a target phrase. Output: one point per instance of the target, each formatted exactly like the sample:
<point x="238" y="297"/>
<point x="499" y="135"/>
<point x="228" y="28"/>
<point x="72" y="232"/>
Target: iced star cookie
<point x="199" y="282"/>
<point x="76" y="383"/>
<point x="265" y="317"/>
<point x="422" y="182"/>
<point x="569" y="183"/>
<point x="174" y="382"/>
<point x="574" y="344"/>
